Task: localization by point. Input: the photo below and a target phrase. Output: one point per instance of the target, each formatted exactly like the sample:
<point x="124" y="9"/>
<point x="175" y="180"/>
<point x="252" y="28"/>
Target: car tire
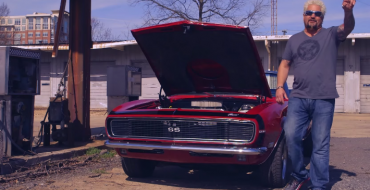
<point x="275" y="171"/>
<point x="137" y="168"/>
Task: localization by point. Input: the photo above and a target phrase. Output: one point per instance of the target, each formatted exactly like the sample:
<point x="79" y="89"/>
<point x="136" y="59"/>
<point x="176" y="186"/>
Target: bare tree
<point x="127" y="31"/>
<point x="236" y="12"/>
<point x="5" y="36"/>
<point x="100" y="32"/>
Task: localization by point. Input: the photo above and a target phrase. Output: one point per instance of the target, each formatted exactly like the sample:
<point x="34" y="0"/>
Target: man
<point x="312" y="54"/>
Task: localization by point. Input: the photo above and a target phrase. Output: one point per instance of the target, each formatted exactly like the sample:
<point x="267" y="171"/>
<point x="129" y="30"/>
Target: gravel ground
<point x="350" y="170"/>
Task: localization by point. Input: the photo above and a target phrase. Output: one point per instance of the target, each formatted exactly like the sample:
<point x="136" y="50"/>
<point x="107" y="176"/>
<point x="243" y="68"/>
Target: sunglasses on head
<point x="317" y="13"/>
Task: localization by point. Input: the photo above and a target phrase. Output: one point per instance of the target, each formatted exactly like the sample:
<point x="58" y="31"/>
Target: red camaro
<point x="218" y="109"/>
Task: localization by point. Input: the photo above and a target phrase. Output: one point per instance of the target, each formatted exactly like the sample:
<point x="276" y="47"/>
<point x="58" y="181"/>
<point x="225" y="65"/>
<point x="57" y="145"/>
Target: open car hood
<point x="193" y="57"/>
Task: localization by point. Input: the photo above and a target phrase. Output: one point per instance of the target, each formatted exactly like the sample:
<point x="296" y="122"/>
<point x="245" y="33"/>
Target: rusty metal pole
<point x="79" y="70"/>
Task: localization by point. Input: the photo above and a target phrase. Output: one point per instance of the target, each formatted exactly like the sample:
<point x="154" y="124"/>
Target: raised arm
<point x="349" y="20"/>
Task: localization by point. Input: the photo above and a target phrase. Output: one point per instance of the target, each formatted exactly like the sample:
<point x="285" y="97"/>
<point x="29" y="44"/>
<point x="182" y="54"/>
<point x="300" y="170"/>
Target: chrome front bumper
<point x="197" y="149"/>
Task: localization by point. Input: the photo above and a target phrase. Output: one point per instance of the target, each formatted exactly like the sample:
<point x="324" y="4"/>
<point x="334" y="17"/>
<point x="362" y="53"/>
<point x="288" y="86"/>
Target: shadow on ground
<point x="184" y="178"/>
<point x="335" y="176"/>
<point x="201" y="179"/>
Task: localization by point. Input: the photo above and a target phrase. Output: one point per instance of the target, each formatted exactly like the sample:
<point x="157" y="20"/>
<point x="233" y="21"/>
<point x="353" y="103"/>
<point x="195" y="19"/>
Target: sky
<point x="121" y="16"/>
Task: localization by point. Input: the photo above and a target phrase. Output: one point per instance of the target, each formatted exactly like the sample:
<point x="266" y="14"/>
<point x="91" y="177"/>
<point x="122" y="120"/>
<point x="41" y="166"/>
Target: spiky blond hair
<point x="315" y="2"/>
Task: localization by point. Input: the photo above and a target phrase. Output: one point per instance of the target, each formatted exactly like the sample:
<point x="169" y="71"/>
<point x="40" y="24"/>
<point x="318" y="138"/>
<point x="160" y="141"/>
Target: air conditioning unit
<point x="123" y="84"/>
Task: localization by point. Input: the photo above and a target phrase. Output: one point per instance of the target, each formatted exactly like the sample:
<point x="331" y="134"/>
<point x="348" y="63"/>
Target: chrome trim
<point x="225" y="119"/>
<point x="219" y="120"/>
<point x="197" y="149"/>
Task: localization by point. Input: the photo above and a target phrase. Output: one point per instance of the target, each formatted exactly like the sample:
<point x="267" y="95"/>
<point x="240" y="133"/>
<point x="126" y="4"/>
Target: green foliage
<point x="109" y="154"/>
<point x="92" y="151"/>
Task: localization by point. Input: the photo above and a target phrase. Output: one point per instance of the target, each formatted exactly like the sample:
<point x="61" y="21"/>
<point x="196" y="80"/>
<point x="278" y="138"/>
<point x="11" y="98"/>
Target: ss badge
<point x="174" y="129"/>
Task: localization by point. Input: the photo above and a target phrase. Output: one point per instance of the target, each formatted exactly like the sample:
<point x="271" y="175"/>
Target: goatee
<point x="309" y="27"/>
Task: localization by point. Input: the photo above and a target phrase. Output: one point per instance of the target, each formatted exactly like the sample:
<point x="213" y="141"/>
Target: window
<point x="38" y="23"/>
<point x="30" y="41"/>
<point x="30" y="34"/>
<point x="23" y="28"/>
<point x="17" y="28"/>
<point x="17" y="21"/>
<point x="2" y="28"/>
<point x="17" y="36"/>
<point x="38" y="41"/>
<point x="23" y="42"/>
<point x="23" y="35"/>
<point x="2" y="21"/>
<point x="44" y="41"/>
<point x="9" y="35"/>
<point x="30" y="24"/>
<point x="37" y="34"/>
<point x="51" y="40"/>
<point x="10" y="21"/>
<point x="17" y="42"/>
<point x="45" y="23"/>
<point x="23" y="21"/>
<point x="45" y="34"/>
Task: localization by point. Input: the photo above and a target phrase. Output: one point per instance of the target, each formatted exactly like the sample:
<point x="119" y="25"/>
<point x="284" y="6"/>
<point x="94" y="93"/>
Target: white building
<point x="35" y="28"/>
<point x="353" y="69"/>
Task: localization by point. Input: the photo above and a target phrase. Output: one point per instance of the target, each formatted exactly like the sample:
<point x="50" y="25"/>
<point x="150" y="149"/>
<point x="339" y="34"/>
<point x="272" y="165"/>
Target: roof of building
<point x="119" y="45"/>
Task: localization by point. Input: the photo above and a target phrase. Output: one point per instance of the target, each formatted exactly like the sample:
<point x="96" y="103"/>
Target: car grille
<point x="183" y="129"/>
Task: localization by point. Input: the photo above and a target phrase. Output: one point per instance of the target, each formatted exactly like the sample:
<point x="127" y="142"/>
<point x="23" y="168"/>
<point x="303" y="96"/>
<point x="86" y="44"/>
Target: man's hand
<point x="280" y="96"/>
<point x="281" y="78"/>
<point x="348" y="5"/>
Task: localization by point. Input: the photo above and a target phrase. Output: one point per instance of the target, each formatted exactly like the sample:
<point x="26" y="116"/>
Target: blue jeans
<point x="300" y="112"/>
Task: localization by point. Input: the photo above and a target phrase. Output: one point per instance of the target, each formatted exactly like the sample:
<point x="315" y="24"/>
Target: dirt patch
<point x="44" y="173"/>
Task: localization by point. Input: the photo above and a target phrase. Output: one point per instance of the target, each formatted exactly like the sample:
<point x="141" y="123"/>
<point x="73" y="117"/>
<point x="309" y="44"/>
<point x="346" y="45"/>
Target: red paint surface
<point x="202" y="85"/>
<point x="270" y="112"/>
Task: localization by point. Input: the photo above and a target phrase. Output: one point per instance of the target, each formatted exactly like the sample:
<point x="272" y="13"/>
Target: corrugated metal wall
<point x="98" y="83"/>
<point x="365" y="85"/>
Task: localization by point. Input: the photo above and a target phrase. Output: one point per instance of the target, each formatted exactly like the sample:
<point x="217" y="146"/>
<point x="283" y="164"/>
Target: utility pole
<point x="79" y="70"/>
<point x="80" y="43"/>
<point x="273" y="17"/>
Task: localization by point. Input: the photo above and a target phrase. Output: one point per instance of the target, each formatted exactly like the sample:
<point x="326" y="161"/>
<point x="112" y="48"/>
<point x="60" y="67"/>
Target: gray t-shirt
<point x="313" y="62"/>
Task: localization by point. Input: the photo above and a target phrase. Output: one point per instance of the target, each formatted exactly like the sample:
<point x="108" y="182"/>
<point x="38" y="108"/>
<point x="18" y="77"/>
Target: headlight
<point x="246" y="107"/>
